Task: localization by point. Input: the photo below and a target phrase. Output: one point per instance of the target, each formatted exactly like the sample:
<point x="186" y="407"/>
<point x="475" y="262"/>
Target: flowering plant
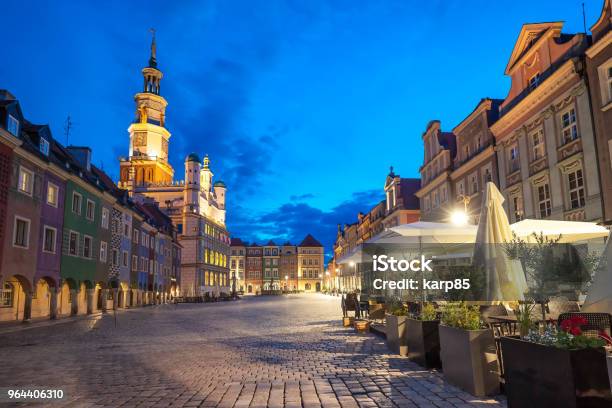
<point x="568" y="335"/>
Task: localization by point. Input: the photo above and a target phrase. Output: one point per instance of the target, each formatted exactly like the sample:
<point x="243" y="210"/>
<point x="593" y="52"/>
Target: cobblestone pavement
<point x="289" y="351"/>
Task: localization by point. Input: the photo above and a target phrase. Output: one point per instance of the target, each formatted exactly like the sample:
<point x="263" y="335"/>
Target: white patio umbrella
<point x="437" y="232"/>
<point x="570" y="231"/>
<point x="424" y="232"/>
<point x="599" y="295"/>
<point x="505" y="277"/>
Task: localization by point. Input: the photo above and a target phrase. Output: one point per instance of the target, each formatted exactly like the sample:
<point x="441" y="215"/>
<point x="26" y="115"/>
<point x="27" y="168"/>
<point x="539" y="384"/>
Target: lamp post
<point x="234" y="284"/>
<point x="459" y="217"/>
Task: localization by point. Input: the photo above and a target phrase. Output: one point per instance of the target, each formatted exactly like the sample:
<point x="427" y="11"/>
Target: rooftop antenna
<point x="584" y="19"/>
<point x="67" y="128"/>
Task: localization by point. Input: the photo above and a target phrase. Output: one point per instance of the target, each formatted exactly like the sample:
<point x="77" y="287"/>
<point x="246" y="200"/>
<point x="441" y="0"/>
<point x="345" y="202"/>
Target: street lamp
<point x="459" y="217"/>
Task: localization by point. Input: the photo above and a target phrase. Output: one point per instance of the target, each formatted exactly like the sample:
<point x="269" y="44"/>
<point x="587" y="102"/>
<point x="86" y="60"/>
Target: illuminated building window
<point x="7" y="295"/>
<point x="544" y="202"/>
<point x="576" y="189"/>
<point x="569" y="130"/>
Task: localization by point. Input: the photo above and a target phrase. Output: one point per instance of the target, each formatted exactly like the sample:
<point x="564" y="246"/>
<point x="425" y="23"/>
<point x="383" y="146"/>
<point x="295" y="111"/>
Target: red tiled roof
<point x="310" y="241"/>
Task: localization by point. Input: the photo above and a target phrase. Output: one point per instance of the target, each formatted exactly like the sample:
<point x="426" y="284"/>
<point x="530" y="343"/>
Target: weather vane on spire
<point x="153" y="58"/>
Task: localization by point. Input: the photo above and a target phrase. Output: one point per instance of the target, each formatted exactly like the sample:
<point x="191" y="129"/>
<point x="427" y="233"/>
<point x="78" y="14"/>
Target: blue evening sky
<point x="301" y="105"/>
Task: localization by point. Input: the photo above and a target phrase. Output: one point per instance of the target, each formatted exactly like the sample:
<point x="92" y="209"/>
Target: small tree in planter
<point x="422" y="337"/>
<point x="467" y="350"/>
<point x="395" y="326"/>
<point x="549" y="265"/>
<point x="558" y="367"/>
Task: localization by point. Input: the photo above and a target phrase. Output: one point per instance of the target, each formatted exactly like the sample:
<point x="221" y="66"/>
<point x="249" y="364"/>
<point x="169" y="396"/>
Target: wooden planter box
<point x="546" y="376"/>
<point x="362" y="326"/>
<point x="395" y="329"/>
<point x="610" y="369"/>
<point x="469" y="360"/>
<point x="423" y="342"/>
<point x="348" y="321"/>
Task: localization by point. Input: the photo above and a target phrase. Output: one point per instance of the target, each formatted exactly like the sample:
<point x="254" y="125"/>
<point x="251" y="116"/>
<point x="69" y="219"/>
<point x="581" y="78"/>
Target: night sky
<point x="301" y="105"/>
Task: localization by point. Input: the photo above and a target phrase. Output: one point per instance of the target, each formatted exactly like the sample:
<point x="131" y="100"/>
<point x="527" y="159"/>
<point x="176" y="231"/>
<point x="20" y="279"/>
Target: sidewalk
<point x="17" y="326"/>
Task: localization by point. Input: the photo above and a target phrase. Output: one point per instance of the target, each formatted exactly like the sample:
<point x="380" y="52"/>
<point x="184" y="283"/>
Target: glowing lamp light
<point x="286" y="277"/>
<point x="459" y="218"/>
<point x="351" y="263"/>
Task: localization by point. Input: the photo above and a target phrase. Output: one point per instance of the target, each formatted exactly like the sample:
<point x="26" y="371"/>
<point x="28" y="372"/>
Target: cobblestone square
<point x="284" y="351"/>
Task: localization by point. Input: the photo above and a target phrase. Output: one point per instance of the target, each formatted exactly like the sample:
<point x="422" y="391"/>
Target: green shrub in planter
<point x="467" y="350"/>
<point x="395" y="327"/>
<point x="560" y="367"/>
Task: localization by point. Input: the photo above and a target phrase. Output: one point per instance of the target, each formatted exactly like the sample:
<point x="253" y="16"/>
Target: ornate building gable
<point x="539" y="51"/>
<point x="604" y="24"/>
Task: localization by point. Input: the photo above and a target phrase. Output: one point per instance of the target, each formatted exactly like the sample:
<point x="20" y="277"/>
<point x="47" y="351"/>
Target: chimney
<point x="82" y="154"/>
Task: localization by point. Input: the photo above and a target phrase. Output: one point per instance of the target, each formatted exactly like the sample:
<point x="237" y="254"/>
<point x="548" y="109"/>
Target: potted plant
<point x="422" y="337"/>
<point x="524" y="318"/>
<point x="467" y="350"/>
<point x="560" y="367"/>
<point x="395" y="327"/>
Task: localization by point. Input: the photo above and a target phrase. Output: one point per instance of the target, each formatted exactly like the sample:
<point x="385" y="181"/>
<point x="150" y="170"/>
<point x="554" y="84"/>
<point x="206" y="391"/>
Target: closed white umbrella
<point x="599" y="295"/>
<point x="505" y="277"/>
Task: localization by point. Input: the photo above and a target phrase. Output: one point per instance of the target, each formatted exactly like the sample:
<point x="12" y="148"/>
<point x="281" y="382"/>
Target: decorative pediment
<point x="604" y="22"/>
<point x="529" y="35"/>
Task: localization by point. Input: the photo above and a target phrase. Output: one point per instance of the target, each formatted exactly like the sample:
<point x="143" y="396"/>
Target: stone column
<point x="104" y="295"/>
<point x="528" y="206"/>
<point x="53" y="303"/>
<point x="90" y="299"/>
<point x="27" y="306"/>
<point x="551" y="136"/>
<point x="74" y="305"/>
<point x="116" y="299"/>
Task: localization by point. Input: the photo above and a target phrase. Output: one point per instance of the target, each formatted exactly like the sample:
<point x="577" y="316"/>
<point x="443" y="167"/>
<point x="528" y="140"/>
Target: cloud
<point x="301" y="197"/>
<point x="293" y="220"/>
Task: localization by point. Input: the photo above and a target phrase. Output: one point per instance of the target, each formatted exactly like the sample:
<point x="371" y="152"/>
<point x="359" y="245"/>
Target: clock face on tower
<point x="140" y="139"/>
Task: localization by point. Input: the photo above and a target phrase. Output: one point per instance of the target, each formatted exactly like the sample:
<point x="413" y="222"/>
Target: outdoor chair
<point x="559" y="305"/>
<point x="350" y="303"/>
<point x="597" y="322"/>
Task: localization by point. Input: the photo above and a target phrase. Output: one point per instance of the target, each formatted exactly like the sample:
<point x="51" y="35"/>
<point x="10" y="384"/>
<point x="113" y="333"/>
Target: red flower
<point x="572" y="325"/>
<point x="566" y="324"/>
<point x="576" y="331"/>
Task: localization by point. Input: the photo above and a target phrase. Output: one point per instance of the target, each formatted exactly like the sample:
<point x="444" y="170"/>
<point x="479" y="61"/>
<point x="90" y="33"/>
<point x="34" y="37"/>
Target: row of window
<point x="576" y="196"/>
<point x="21" y="239"/>
<point x="440" y="196"/>
<point x="536" y="140"/>
<point x="210" y="278"/>
<point x="26" y="186"/>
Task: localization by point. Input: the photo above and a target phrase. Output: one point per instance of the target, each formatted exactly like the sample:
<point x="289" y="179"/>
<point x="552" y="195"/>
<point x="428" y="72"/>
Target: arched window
<point x="6" y="295"/>
<point x="307" y="286"/>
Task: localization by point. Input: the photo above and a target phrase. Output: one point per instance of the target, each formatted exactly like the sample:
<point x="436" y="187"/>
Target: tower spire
<point x="153" y="57"/>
